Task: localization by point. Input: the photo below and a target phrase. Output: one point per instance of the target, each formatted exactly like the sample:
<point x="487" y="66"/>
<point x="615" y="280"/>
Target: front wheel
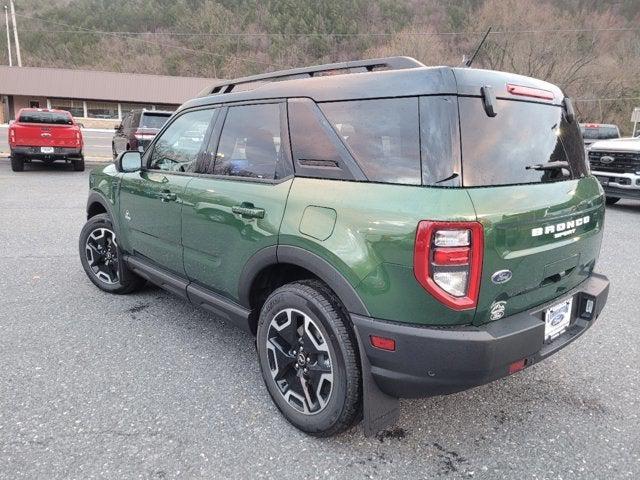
<point x="101" y="257"/>
<point x="612" y="200"/>
<point x="308" y="357"/>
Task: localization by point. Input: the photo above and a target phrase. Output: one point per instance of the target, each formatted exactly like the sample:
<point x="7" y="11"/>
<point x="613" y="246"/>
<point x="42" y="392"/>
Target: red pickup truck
<point x="47" y="135"/>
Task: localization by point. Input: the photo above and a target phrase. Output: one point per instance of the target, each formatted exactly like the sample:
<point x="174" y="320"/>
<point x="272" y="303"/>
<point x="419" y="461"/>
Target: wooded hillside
<point x="590" y="48"/>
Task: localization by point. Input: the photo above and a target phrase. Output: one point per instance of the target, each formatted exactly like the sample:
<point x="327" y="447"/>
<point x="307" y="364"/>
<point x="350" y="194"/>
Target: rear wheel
<point x="308" y="357"/>
<point x="78" y="165"/>
<point x="612" y="200"/>
<point x="101" y="257"/>
<point x="17" y="163"/>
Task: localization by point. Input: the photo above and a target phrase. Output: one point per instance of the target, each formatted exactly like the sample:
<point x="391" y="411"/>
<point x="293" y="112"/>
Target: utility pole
<point x="6" y="21"/>
<point x="15" y="33"/>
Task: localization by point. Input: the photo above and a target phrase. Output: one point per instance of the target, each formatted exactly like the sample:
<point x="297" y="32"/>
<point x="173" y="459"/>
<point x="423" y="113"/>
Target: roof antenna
<point x="466" y="62"/>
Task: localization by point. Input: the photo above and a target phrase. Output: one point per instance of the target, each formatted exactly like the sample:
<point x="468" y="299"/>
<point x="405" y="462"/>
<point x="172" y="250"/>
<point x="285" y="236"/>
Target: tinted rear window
<point x="599" y="133"/>
<point x="45" y="117"/>
<point x="154" y="120"/>
<point x="383" y="136"/>
<point x="497" y="150"/>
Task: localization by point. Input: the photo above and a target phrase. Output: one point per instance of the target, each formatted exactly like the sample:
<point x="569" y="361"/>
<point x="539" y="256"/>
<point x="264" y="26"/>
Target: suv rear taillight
<point x="447" y="261"/>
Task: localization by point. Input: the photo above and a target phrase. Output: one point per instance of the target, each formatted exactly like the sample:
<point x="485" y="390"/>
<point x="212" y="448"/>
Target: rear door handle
<point x="168" y="196"/>
<point x="247" y="210"/>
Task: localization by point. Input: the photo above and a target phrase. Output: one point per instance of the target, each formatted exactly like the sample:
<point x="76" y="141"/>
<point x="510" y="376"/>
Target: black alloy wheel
<point x="309" y="358"/>
<point x="101" y="252"/>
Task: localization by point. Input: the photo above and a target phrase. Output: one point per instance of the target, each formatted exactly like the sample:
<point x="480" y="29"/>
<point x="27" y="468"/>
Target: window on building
<point x="168" y="108"/>
<point x="102" y="109"/>
<point x="127" y="107"/>
<point x="72" y="106"/>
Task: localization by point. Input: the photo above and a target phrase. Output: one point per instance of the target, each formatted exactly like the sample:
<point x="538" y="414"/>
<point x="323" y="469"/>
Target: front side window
<point x="383" y="136"/>
<point x="178" y="146"/>
<point x="250" y="143"/>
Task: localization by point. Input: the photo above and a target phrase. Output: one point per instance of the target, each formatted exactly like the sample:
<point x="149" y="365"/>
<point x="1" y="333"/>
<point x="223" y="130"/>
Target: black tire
<point x="124" y="280"/>
<point x="612" y="200"/>
<point x="17" y="163"/>
<point x="331" y="328"/>
<point x="78" y="165"/>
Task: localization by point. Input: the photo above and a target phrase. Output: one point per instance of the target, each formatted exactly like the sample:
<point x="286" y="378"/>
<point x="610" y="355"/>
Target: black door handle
<point x="168" y="196"/>
<point x="247" y="210"/>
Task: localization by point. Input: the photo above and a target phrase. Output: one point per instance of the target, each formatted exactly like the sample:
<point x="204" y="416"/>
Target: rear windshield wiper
<point x="548" y="166"/>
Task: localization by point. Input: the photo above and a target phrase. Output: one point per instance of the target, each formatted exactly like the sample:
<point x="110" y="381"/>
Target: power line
<point x="327" y="34"/>
<point x="604" y="99"/>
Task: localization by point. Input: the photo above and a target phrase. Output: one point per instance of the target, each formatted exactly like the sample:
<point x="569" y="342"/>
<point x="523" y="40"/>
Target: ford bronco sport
<point x="384" y="229"/>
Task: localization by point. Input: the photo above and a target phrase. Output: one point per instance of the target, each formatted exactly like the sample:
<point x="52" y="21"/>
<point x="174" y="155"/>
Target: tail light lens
<point x="12" y="135"/>
<point x="447" y="261"/>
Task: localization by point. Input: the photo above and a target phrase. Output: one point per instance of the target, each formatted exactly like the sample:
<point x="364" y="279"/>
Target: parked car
<point x="46" y="135"/>
<point x="592" y="132"/>
<point x="137" y="129"/>
<point x="389" y="230"/>
<point x="616" y="164"/>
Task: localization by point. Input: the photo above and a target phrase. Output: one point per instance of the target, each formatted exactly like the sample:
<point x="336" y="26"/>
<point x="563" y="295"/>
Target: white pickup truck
<point x="616" y="163"/>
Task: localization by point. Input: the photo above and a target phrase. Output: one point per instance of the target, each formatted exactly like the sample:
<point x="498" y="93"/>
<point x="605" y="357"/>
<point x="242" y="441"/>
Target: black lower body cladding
<point x="435" y="361"/>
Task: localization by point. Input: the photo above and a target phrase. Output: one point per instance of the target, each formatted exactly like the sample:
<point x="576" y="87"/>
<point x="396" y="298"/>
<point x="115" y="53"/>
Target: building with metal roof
<point x="95" y="98"/>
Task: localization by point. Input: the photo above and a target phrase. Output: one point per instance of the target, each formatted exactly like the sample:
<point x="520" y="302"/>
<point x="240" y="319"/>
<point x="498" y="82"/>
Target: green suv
<point x="383" y="228"/>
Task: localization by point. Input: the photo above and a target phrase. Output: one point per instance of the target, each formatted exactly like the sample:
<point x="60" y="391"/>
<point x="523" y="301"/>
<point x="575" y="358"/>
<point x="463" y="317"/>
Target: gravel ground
<point x="147" y="386"/>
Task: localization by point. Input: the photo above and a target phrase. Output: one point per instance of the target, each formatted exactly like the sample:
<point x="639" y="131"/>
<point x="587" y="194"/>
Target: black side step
<point x="199" y="296"/>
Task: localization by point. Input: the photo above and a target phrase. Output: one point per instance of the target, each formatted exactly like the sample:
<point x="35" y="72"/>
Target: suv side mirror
<point x="130" y="161"/>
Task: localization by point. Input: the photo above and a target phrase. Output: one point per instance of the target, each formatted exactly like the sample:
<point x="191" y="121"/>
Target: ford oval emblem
<point x="501" y="276"/>
<point x="606" y="159"/>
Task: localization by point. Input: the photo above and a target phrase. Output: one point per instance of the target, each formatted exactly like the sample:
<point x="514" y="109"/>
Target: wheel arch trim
<point x="288" y="254"/>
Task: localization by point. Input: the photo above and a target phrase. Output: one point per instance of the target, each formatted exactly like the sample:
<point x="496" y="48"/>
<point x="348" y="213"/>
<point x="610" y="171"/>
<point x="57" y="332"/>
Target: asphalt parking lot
<point x="147" y="386"/>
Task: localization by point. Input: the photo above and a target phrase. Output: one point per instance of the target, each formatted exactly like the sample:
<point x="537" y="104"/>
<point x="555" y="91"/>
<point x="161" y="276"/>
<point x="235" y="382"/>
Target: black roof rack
<point x="358" y="66"/>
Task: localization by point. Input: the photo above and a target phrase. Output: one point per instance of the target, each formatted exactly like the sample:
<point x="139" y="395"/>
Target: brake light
<point x="529" y="92"/>
<point x="447" y="261"/>
<point x="12" y="135"/>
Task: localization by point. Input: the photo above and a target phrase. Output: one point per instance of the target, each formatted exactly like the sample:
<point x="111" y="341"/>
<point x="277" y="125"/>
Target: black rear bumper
<point x="435" y="361"/>
<point x="59" y="153"/>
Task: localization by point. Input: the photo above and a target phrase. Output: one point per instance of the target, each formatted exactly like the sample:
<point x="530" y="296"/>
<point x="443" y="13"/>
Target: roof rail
<point x="357" y="66"/>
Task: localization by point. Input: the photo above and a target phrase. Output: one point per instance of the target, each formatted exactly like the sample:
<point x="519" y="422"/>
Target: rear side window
<point x="497" y="150"/>
<point x="153" y="120"/>
<point x="46" y="117"/>
<point x="250" y="143"/>
<point x="383" y="136"/>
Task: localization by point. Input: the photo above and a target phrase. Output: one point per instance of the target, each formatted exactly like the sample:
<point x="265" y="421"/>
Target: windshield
<point x="46" y="117"/>
<point x="154" y="120"/>
<point x="599" y="133"/>
<point x="519" y="144"/>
